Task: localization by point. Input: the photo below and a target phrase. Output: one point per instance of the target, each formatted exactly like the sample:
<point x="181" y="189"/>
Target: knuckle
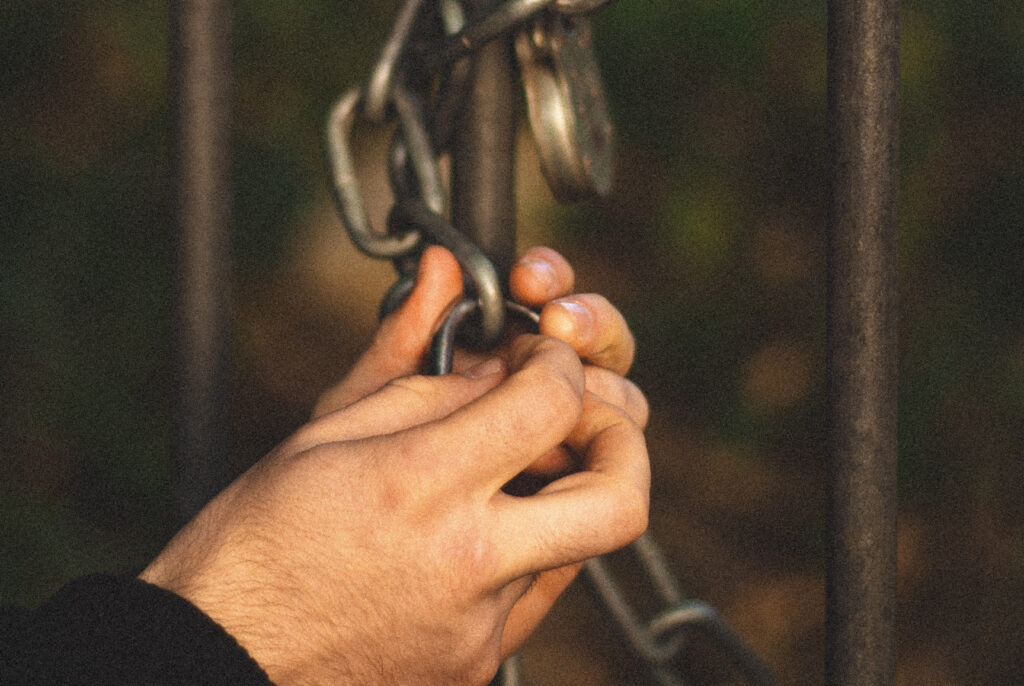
<point x="484" y="665"/>
<point x="602" y="413"/>
<point x="640" y="409"/>
<point x="620" y="393"/>
<point x="560" y="394"/>
<point x="554" y="347"/>
<point x="632" y="513"/>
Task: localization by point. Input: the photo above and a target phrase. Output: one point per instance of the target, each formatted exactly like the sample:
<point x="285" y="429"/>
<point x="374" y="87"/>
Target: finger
<point x="400" y="404"/>
<point x="495" y="437"/>
<point x="614" y="390"/>
<point x="556" y="462"/>
<point x="404" y="336"/>
<point x="594" y="328"/>
<point x="531" y="608"/>
<point x="609" y="387"/>
<point x="618" y="391"/>
<point x="540" y="275"/>
<point x="587" y="513"/>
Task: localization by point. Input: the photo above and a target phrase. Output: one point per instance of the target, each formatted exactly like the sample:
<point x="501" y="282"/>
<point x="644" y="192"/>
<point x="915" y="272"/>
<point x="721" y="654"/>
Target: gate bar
<point x="863" y="116"/>
<point x="483" y="177"/>
<point x="201" y="86"/>
<point x="483" y="153"/>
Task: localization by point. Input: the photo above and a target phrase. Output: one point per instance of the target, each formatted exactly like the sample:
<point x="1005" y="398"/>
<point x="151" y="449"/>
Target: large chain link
<point x="420" y="82"/>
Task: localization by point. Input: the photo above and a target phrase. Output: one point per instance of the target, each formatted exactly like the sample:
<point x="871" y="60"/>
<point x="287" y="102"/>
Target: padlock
<point x="566" y="105"/>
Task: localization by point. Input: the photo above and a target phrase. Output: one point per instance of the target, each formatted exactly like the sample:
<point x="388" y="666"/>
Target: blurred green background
<point x="712" y="243"/>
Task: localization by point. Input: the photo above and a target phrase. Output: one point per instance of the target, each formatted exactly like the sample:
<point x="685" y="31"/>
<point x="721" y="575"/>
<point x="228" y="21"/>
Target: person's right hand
<point x="540" y="278"/>
<point x="376" y="545"/>
<point x="591" y="325"/>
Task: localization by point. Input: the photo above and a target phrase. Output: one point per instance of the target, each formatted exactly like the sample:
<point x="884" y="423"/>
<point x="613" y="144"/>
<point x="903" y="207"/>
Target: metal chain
<point x="660" y="640"/>
<point x="419" y="82"/>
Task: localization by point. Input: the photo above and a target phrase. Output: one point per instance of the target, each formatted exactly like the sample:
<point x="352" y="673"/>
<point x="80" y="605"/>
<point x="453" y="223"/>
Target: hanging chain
<point x="660" y="640"/>
<point x="420" y="82"/>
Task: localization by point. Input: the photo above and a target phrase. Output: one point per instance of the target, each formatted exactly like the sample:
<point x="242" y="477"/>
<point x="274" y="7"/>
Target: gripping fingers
<point x="589" y="323"/>
<point x="529" y="413"/>
<point x="612" y="389"/>
<point x="595" y="329"/>
<point x="588" y="513"/>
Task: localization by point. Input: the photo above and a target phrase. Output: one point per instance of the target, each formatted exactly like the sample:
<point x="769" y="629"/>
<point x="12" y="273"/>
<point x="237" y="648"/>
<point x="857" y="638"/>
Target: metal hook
<point x="504" y="18"/>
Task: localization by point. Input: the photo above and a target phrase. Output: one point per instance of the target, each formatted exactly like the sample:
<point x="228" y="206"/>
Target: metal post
<point x="863" y="102"/>
<point x="483" y="177"/>
<point x="201" y="86"/>
<point x="483" y="152"/>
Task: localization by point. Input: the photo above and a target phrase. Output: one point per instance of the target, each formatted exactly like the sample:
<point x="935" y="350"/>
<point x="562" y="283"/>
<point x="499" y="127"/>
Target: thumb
<point x="404" y="336"/>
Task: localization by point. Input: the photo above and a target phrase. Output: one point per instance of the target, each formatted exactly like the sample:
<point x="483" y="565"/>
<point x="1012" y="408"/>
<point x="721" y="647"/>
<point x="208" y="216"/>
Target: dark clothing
<point x="119" y="630"/>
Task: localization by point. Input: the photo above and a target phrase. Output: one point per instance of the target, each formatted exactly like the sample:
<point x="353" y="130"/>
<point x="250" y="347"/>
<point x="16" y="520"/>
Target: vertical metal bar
<point x="483" y="180"/>
<point x="483" y="177"/>
<point x="863" y="102"/>
<point x="201" y="84"/>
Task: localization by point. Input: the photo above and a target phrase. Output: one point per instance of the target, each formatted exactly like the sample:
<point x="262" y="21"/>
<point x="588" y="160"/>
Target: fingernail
<point x="492" y="365"/>
<point x="581" y="316"/>
<point x="543" y="271"/>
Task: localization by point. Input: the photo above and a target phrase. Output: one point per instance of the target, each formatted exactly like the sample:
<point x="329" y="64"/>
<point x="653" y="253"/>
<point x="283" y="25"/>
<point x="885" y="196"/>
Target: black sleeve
<point x="119" y="630"/>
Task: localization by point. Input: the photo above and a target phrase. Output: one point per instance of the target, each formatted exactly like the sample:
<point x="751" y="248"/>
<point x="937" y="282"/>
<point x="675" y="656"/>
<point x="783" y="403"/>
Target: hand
<point x="539" y="278"/>
<point x="596" y="331"/>
<point x="375" y="546"/>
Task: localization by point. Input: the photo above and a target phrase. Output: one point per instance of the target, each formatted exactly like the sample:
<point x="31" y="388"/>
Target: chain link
<point x="347" y="193"/>
<point x="415" y="214"/>
<point x="381" y="81"/>
<point x="660" y="640"/>
<point x="420" y="82"/>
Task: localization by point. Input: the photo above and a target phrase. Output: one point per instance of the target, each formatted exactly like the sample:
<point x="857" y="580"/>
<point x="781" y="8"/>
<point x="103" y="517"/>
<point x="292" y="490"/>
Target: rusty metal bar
<point x="863" y="104"/>
<point x="483" y="152"/>
<point x="201" y="82"/>
<point x="483" y="177"/>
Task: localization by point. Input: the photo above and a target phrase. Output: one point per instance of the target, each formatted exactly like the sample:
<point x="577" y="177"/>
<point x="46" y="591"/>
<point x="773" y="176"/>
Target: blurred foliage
<point x="712" y="243"/>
